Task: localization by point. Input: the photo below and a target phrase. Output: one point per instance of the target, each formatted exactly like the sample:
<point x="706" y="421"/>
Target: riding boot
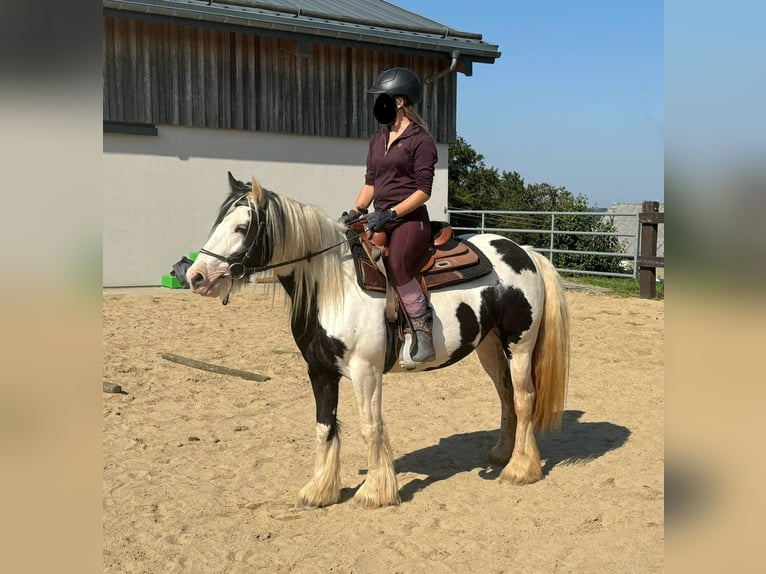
<point x="423" y="326"/>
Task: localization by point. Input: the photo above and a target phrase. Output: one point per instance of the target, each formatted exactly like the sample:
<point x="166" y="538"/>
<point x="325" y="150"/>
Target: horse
<point x="515" y="319"/>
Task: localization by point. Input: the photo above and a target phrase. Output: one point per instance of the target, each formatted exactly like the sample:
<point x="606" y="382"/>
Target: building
<point x="277" y="90"/>
<point x="630" y="228"/>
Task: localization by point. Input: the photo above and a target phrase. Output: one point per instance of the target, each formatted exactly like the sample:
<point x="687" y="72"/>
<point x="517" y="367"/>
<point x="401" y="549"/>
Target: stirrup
<point x="424" y="343"/>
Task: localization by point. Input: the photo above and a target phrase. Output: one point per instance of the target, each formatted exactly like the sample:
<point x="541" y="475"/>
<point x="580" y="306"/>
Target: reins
<point x="242" y="270"/>
<point x="308" y="257"/>
<point x="238" y="269"/>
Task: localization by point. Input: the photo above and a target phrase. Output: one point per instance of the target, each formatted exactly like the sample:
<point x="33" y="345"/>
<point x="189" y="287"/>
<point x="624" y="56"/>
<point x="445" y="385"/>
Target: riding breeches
<point x="408" y="243"/>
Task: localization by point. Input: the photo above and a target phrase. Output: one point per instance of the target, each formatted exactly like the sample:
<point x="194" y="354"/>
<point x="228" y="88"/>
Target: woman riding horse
<point x="400" y="173"/>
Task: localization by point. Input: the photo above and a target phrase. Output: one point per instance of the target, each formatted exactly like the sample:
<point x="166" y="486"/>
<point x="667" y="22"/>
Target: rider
<point x="400" y="173"/>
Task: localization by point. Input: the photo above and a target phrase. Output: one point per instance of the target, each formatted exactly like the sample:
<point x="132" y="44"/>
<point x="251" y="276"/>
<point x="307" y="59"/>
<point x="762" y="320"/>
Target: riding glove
<point x="348" y="217"/>
<point x="377" y="219"/>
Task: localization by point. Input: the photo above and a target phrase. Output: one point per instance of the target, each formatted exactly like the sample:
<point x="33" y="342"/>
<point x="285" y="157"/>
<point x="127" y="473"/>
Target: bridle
<point x="254" y="241"/>
<point x="257" y="246"/>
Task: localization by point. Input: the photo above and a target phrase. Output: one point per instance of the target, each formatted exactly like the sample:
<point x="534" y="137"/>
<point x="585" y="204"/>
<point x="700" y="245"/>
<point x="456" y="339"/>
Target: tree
<point x="471" y="183"/>
<point x="474" y="186"/>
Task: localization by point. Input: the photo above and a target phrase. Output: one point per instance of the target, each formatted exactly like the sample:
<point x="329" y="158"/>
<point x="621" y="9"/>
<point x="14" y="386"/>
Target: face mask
<point x="385" y="109"/>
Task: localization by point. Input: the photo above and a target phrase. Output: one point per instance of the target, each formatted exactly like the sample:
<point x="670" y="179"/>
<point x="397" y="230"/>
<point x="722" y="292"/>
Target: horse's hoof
<point x="372" y="504"/>
<point x="310" y="502"/>
<point x="362" y="499"/>
<point x="521" y="470"/>
<point x="302" y="505"/>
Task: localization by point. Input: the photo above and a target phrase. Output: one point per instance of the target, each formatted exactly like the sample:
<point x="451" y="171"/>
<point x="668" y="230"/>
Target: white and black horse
<point x="515" y="318"/>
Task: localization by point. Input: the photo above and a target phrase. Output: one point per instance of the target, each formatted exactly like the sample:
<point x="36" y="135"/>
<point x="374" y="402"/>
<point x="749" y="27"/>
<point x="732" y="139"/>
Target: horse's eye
<point x="241" y="229"/>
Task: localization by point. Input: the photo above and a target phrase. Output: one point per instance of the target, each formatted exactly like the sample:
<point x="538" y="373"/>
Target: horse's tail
<point x="550" y="359"/>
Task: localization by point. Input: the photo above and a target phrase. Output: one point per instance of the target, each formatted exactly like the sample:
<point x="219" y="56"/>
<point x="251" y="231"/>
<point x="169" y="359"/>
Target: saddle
<point x="447" y="261"/>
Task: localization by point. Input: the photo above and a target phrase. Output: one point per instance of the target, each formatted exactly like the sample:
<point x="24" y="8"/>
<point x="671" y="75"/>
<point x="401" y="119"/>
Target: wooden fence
<point x="648" y="262"/>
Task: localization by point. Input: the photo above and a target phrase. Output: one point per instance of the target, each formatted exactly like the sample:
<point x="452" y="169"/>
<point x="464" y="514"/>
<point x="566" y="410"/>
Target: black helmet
<point x="398" y="82"/>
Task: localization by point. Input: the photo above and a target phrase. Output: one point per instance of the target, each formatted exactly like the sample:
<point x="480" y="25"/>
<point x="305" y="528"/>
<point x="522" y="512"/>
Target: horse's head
<point x="238" y="241"/>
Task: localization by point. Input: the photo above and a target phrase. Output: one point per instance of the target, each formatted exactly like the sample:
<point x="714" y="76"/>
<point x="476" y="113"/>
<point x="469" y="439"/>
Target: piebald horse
<point x="515" y="318"/>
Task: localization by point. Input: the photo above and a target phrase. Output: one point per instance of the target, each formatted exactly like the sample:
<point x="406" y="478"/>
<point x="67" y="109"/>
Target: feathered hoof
<point x="310" y="497"/>
<point x="369" y="497"/>
<point x="522" y="469"/>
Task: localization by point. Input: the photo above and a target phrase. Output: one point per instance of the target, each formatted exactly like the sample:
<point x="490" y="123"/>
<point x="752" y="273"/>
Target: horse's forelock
<point x="228" y="203"/>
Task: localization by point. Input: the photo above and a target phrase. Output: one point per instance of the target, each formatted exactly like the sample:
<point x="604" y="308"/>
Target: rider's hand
<point x="376" y="220"/>
<point x="350" y="216"/>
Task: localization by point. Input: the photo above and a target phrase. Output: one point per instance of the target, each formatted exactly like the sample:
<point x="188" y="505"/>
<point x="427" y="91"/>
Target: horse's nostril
<point x="197" y="280"/>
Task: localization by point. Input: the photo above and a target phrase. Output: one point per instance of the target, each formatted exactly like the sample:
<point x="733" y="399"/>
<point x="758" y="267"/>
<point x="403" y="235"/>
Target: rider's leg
<point x="408" y="244"/>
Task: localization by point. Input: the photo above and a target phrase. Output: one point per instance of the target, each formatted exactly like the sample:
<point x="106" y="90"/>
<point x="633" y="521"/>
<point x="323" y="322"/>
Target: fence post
<point x="647" y="275"/>
<point x="553" y="228"/>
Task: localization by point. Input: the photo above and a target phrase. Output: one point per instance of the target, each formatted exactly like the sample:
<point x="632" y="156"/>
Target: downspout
<point x="452" y="67"/>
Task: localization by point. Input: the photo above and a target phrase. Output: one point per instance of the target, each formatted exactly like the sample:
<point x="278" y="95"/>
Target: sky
<point x="715" y="90"/>
<point x="575" y="99"/>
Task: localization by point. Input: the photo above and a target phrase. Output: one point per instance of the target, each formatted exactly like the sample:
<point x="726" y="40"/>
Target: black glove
<point x="349" y="216"/>
<point x="377" y="219"/>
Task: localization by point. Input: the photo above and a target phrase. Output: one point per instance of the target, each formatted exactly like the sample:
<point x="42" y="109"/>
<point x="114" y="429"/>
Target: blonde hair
<point x="412" y="115"/>
<point x="296" y="230"/>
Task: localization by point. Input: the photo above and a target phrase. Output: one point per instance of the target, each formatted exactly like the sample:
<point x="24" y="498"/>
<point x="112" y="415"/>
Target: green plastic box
<point x="171" y="282"/>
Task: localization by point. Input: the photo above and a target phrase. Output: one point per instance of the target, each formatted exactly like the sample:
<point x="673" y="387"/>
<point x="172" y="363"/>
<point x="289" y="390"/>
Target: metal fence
<point x="544" y="223"/>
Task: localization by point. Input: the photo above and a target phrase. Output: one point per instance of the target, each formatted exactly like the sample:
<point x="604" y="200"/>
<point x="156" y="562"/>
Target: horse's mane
<point x="295" y="229"/>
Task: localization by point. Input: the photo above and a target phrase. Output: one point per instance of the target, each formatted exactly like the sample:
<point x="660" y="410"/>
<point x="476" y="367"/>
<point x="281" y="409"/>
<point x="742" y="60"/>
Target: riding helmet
<point x="398" y="82"/>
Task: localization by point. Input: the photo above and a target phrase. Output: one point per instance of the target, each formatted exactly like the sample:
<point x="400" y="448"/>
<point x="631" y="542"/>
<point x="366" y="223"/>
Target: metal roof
<point x="352" y="22"/>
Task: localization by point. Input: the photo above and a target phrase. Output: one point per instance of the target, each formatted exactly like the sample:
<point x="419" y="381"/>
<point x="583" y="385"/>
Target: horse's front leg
<point x="324" y="487"/>
<point x="379" y="488"/>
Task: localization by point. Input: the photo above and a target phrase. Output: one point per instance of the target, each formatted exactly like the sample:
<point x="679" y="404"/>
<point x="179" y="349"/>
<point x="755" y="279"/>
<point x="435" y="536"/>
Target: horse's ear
<point x="258" y="194"/>
<point x="236" y="185"/>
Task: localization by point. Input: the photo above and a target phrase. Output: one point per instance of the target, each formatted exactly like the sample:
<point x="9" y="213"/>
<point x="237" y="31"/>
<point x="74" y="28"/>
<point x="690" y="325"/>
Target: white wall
<point x="161" y="193"/>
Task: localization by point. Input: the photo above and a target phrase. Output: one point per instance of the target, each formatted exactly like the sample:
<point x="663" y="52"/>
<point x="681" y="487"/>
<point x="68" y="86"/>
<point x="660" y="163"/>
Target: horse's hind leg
<point x="495" y="362"/>
<point x="324" y="486"/>
<point x="380" y="487"/>
<point x="524" y="466"/>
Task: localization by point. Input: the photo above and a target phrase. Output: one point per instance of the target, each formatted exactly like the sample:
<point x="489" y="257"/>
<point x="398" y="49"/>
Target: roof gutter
<point x="455" y="55"/>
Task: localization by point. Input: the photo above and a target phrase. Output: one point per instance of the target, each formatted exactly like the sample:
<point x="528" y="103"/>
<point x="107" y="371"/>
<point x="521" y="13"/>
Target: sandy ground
<point x="201" y="470"/>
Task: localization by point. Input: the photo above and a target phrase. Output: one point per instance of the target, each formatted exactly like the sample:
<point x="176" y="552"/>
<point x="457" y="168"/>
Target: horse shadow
<point x="575" y="443"/>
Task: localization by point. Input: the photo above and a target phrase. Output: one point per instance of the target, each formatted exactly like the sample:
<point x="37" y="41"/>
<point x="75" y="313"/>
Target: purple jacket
<point x="407" y="166"/>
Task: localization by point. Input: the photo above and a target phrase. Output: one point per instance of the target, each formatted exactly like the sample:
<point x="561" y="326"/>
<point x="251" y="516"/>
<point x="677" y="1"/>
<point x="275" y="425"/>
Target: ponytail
<point x="414" y="117"/>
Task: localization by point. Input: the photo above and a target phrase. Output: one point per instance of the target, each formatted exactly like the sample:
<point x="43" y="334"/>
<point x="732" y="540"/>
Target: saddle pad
<point x="462" y="263"/>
